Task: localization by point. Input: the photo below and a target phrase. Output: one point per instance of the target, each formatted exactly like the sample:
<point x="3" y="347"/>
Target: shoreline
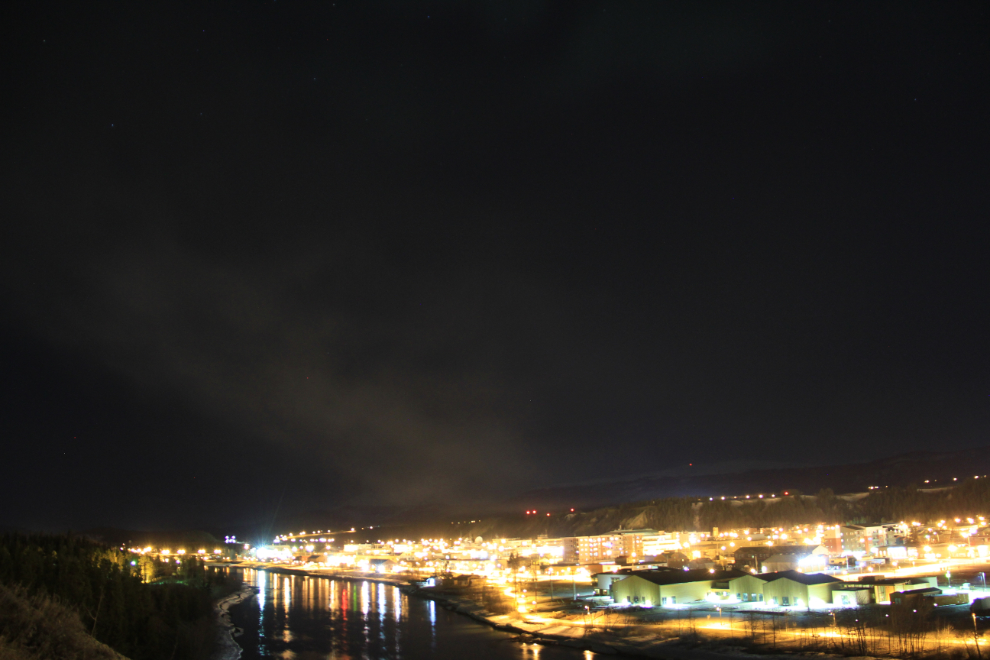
<point x="227" y="647"/>
<point x="577" y="637"/>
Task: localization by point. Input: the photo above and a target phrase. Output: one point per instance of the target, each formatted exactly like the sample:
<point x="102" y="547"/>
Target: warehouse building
<point x="794" y="589"/>
<point x="852" y="595"/>
<point x="652" y="588"/>
<point x="737" y="586"/>
<point x="885" y="588"/>
<point x="933" y="595"/>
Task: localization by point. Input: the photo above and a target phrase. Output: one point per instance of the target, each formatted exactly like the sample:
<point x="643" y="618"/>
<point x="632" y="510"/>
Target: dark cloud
<point x="320" y="366"/>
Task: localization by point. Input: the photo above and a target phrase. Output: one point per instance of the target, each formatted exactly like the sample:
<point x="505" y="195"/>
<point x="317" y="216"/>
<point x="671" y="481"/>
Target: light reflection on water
<point x="262" y="582"/>
<point x="308" y="618"/>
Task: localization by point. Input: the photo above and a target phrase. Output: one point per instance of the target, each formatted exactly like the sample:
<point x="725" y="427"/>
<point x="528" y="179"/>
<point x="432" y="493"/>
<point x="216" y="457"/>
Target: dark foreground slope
<point x="38" y="627"/>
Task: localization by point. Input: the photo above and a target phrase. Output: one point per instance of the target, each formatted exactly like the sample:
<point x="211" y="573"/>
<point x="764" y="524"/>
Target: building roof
<point x="797" y="576"/>
<point x="622" y="571"/>
<point x="788" y="558"/>
<point x="882" y="581"/>
<point x="778" y="549"/>
<point x="672" y="553"/>
<point x="683" y="577"/>
<point x="928" y="591"/>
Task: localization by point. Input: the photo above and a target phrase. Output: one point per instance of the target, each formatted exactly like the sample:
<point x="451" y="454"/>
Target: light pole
<point x="976" y="637"/>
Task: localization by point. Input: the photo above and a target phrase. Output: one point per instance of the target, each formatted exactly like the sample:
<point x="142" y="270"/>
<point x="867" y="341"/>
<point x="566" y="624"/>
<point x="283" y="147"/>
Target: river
<point x="304" y="618"/>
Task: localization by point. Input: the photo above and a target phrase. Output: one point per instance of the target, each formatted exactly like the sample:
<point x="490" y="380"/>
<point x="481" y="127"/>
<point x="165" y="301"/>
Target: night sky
<point x="362" y="253"/>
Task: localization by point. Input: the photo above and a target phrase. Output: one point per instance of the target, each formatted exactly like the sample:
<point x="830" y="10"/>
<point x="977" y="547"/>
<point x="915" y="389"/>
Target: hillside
<point x="902" y="470"/>
<point x="670" y="500"/>
<point x="114" y="537"/>
<point x="968" y="498"/>
<point x="40" y="628"/>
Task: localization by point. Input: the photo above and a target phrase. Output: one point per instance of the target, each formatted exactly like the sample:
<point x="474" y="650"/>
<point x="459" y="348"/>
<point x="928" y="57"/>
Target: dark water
<point x="308" y="618"/>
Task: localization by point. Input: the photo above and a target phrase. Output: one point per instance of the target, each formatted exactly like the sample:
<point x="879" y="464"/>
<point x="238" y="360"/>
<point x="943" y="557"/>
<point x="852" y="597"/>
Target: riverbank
<point x="629" y="639"/>
<point x="227" y="647"/>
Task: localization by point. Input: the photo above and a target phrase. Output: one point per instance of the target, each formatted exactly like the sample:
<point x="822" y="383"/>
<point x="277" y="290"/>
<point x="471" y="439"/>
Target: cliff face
<point x="40" y="628"/>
